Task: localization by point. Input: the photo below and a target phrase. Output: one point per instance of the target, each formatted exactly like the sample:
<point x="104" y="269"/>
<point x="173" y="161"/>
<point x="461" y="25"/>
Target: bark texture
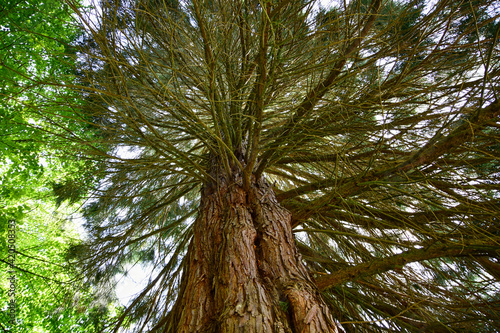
<point x="242" y="272"/>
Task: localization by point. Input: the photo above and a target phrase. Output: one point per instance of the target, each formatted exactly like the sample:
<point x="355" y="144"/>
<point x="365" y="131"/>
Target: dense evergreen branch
<point x="399" y="260"/>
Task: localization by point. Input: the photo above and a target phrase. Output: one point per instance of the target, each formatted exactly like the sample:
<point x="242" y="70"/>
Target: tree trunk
<point x="242" y="272"/>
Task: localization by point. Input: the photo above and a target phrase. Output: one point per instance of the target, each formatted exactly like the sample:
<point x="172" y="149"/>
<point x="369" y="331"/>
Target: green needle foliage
<point x="376" y="122"/>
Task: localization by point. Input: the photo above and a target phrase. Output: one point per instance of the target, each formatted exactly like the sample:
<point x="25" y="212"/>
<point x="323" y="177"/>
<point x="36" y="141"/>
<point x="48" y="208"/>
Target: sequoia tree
<point x="284" y="167"/>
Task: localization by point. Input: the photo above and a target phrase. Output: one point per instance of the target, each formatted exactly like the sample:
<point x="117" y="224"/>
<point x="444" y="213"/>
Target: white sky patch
<point x="127" y="152"/>
<point x="91" y="13"/>
<point x="5" y="165"/>
<point x="43" y="162"/>
<point x="301" y="235"/>
<point x="128" y="286"/>
<point x="325" y="4"/>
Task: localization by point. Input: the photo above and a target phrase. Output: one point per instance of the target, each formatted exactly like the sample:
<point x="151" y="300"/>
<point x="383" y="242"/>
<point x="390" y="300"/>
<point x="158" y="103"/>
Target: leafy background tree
<point x="37" y="43"/>
<point x="283" y="168"/>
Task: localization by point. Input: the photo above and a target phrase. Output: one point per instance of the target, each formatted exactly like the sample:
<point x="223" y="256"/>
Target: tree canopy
<point x="375" y="124"/>
<point x="37" y="64"/>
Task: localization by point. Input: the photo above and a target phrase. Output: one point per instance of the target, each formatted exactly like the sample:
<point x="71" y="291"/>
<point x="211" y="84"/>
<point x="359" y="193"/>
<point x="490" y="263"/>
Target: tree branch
<point x="26" y="271"/>
<point x="399" y="260"/>
<point x="313" y="97"/>
<point x="434" y="149"/>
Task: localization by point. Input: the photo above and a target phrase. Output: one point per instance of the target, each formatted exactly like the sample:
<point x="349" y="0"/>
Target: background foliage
<point x="38" y="52"/>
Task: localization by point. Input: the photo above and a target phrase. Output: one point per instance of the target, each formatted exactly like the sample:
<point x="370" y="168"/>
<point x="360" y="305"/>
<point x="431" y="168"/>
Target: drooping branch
<point x="399" y="260"/>
<point x="432" y="151"/>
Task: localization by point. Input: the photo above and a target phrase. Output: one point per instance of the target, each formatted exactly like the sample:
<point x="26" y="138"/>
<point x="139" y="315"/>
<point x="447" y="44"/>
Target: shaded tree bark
<point x="243" y="272"/>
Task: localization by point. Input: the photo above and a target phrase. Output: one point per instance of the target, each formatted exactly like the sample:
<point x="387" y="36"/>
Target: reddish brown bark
<point x="242" y="272"/>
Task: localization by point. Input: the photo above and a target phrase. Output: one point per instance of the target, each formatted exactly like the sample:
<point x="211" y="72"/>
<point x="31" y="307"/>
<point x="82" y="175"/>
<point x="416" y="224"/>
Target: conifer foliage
<point x="284" y="167"/>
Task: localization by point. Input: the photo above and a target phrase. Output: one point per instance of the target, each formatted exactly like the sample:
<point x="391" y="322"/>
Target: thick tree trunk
<point x="242" y="272"/>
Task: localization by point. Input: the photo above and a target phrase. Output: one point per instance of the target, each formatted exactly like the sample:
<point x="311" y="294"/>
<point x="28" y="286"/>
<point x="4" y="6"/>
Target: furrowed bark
<point x="243" y="272"/>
